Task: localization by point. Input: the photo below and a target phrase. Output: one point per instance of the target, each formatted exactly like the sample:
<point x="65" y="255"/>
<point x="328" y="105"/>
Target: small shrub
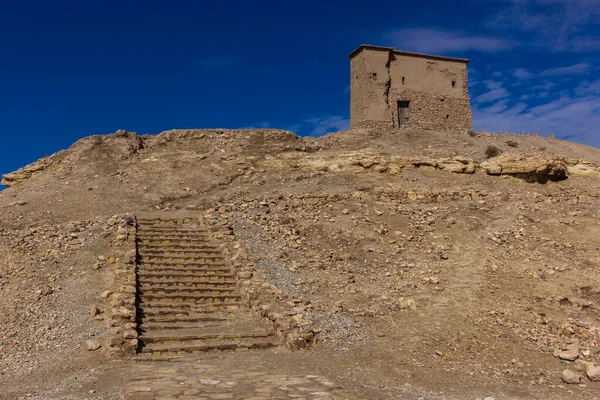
<point x="472" y="133"/>
<point x="542" y="148"/>
<point x="512" y="143"/>
<point x="492" y="151"/>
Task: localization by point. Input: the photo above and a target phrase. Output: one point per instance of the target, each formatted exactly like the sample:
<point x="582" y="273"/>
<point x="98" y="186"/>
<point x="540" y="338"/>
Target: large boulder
<point x="540" y="167"/>
<point x="582" y="168"/>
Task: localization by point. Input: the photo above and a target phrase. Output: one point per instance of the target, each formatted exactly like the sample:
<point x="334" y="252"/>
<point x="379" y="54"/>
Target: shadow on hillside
<point x="542" y="178"/>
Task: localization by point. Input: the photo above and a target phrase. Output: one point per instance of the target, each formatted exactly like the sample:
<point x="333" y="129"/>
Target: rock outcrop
<point x="539" y="167"/>
<point x="26" y="172"/>
<point x="582" y="168"/>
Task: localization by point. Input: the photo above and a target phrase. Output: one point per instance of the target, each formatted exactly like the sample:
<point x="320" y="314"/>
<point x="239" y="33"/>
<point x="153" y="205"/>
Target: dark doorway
<point x="403" y="112"/>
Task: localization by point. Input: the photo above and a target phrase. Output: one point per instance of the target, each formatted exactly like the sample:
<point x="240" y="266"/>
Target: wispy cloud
<point x="437" y="41"/>
<point x="260" y="125"/>
<point x="553" y="24"/>
<point x="544" y="86"/>
<point x="498" y="107"/>
<point x="574" y="115"/>
<point x="553" y="118"/>
<point x="320" y="126"/>
<point x="216" y="61"/>
<point x="314" y="126"/>
<point x="495" y="91"/>
<point x="569" y="70"/>
<point x="588" y="88"/>
<point x="557" y="100"/>
<point x="522" y="73"/>
<point x="296" y="128"/>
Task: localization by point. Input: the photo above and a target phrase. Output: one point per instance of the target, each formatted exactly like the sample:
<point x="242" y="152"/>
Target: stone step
<point x="177" y="221"/>
<point x="180" y="255"/>
<point x="169" y="263"/>
<point x="179" y="227"/>
<point x="231" y="285"/>
<point x="181" y="250"/>
<point x="225" y="325"/>
<point x="183" y="258"/>
<point x="187" y="266"/>
<point x="175" y="233"/>
<point x="191" y="317"/>
<point x="175" y="244"/>
<point x="182" y="290"/>
<point x="175" y="299"/>
<point x="181" y="261"/>
<point x="172" y="231"/>
<point x="174" y="270"/>
<point x="157" y="309"/>
<point x="184" y="276"/>
<point x="174" y="236"/>
<point x="221" y="344"/>
<point x="198" y="267"/>
<point x="177" y="325"/>
<point x="187" y="280"/>
<point x="162" y="236"/>
<point x="243" y="322"/>
<point x="192" y="335"/>
<point x="186" y="241"/>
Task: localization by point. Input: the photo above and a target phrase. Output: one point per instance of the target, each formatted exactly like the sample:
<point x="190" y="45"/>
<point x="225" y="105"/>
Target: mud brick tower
<point x="398" y="89"/>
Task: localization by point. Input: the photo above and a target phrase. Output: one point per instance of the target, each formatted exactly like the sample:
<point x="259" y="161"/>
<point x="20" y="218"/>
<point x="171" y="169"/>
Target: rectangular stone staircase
<point x="188" y="299"/>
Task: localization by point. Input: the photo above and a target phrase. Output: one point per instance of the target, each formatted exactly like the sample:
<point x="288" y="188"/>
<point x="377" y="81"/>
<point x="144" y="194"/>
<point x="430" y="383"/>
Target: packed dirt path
<point x="196" y="380"/>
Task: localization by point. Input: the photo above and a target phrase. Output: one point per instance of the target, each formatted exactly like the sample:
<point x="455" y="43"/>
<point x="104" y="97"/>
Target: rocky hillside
<point x="435" y="265"/>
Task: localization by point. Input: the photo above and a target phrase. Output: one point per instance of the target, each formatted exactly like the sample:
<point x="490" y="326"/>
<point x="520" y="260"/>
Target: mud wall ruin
<point x="395" y="89"/>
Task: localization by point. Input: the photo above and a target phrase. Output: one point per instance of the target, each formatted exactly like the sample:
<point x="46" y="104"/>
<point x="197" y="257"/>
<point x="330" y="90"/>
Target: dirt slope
<point x="424" y="282"/>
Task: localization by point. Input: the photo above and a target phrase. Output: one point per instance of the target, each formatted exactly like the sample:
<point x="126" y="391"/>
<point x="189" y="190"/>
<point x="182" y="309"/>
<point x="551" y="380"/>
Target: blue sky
<point x="72" y="69"/>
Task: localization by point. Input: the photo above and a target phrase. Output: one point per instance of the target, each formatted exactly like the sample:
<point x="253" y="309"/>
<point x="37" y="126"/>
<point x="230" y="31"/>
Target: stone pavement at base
<point x="198" y="381"/>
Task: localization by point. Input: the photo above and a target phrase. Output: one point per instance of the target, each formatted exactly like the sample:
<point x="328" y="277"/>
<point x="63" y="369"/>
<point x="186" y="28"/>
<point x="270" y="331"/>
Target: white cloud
<point x="522" y="73"/>
<point x="498" y="107"/>
<point x="260" y="125"/>
<point x="492" y="95"/>
<point x="589" y="88"/>
<point x="294" y="128"/>
<point x="435" y="41"/>
<point x="569" y="116"/>
<point x="554" y="24"/>
<point x="331" y="123"/>
<point x="495" y="92"/>
<point x="569" y="70"/>
<point x="544" y="86"/>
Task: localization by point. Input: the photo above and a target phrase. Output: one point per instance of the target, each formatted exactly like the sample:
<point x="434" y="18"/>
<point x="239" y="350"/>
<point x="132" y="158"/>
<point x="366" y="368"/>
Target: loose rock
<point x="92" y="345"/>
<point x="570" y="377"/>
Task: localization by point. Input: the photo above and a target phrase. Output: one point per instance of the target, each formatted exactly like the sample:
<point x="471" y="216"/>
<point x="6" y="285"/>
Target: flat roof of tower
<point x="405" y="53"/>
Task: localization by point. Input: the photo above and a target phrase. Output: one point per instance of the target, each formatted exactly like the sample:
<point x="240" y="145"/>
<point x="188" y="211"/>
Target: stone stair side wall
<point x="264" y="299"/>
<point x="122" y="318"/>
